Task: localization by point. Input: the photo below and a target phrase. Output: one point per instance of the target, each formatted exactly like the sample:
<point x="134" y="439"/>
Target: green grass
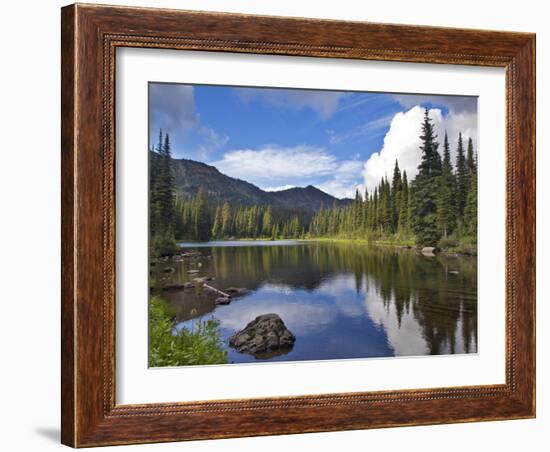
<point x="199" y="345"/>
<point x="461" y="245"/>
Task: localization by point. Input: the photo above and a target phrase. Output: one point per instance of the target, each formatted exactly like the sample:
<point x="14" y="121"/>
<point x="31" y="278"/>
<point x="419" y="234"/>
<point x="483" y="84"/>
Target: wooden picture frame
<point x="90" y="36"/>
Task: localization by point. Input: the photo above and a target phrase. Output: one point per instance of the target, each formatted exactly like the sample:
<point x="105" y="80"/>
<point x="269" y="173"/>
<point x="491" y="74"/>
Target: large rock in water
<point x="266" y="333"/>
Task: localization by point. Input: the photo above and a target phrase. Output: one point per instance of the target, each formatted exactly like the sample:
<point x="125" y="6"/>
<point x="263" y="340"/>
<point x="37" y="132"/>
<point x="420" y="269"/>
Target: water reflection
<point x="340" y="300"/>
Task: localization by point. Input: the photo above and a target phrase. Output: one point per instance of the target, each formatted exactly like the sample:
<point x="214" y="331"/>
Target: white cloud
<point x="275" y="163"/>
<point x="324" y="103"/>
<point x="402" y="141"/>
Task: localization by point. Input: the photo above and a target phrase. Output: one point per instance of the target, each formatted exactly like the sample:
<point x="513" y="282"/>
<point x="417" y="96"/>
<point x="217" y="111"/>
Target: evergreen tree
<point x="165" y="189"/>
<point x="201" y="217"/>
<point x="226" y="220"/>
<point x="357" y="213"/>
<point x="446" y="196"/>
<point x="425" y="187"/>
<point x="274" y="232"/>
<point x="374" y="210"/>
<point x="430" y="164"/>
<point x="162" y="220"/>
<point x="154" y="203"/>
<point x="470" y="159"/>
<point x="366" y="212"/>
<point x="470" y="210"/>
<point x="267" y="221"/>
<point x="461" y="179"/>
<point x="403" y="221"/>
<point x="218" y="222"/>
<point x="396" y="188"/>
<point x="385" y="208"/>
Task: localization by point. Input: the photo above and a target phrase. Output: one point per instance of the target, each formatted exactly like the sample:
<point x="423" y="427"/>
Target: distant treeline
<point x="439" y="206"/>
<point x="199" y="219"/>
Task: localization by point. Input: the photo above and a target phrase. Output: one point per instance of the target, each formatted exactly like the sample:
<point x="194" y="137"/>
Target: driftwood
<point x="223" y="294"/>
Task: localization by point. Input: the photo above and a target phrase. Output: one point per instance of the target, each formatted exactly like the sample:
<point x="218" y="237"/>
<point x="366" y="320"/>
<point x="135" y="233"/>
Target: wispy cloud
<point x="354" y="100"/>
<point x="323" y="103"/>
<point x="375" y="126"/>
<point x="211" y="142"/>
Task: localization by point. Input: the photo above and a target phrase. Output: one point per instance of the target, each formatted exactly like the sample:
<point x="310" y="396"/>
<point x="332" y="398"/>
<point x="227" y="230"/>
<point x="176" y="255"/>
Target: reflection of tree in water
<point x="439" y="292"/>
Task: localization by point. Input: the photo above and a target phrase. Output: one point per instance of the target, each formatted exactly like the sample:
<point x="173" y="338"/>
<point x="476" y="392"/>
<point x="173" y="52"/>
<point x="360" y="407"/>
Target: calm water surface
<point x="339" y="300"/>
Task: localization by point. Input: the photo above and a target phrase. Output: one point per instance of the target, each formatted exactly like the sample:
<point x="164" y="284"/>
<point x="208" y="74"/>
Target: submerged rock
<point x="236" y="290"/>
<point x="266" y="333"/>
<point x="223" y="300"/>
<point x="188" y="285"/>
<point x="168" y="270"/>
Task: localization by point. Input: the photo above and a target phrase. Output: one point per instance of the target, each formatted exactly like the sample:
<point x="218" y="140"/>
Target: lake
<point x="340" y="300"/>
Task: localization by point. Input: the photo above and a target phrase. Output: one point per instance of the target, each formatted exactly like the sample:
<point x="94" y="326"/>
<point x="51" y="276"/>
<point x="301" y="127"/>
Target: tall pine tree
<point x="446" y="194"/>
<point x="403" y="226"/>
<point x="201" y="217"/>
<point x="396" y="188"/>
<point x="470" y="209"/>
<point x="162" y="194"/>
<point x="461" y="179"/>
<point x="425" y="187"/>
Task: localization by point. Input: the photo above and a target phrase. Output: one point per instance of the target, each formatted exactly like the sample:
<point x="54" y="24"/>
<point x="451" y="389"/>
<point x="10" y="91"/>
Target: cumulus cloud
<point x="324" y="103"/>
<point x="402" y="141"/>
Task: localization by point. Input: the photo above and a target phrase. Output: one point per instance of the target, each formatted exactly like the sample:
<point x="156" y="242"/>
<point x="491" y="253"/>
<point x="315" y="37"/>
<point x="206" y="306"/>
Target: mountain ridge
<point x="190" y="176"/>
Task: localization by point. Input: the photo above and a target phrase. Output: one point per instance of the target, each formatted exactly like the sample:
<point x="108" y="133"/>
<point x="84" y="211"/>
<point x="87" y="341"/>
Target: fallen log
<point x="213" y="289"/>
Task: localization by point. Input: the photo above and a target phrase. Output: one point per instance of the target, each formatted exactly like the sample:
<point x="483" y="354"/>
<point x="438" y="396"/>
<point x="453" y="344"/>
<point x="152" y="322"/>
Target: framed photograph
<point x="282" y="225"/>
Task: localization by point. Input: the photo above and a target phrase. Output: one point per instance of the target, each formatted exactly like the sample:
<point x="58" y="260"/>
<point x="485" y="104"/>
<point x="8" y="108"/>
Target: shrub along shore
<point x="198" y="345"/>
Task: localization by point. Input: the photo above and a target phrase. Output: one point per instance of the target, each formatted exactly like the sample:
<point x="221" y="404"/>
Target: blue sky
<point x="279" y="138"/>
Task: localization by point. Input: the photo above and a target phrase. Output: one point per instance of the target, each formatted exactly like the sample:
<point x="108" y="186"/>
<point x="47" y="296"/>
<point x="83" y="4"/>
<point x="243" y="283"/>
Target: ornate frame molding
<point x="90" y="37"/>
